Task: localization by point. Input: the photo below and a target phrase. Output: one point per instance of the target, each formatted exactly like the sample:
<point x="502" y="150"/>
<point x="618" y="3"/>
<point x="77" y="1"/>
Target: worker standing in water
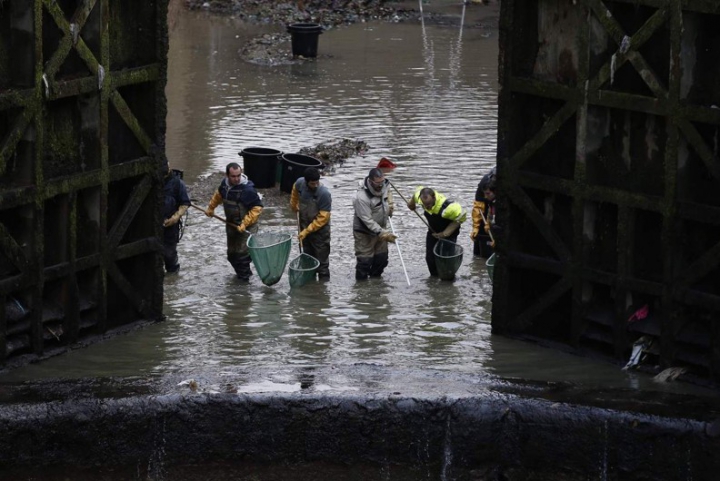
<point x="312" y="201"/>
<point x="242" y="206"/>
<point x="373" y="205"/>
<point x="444" y="217"/>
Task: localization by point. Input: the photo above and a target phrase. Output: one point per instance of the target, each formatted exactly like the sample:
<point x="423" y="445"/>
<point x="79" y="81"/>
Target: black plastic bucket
<point x="260" y="165"/>
<point x="293" y="167"/>
<point x="304" y="39"/>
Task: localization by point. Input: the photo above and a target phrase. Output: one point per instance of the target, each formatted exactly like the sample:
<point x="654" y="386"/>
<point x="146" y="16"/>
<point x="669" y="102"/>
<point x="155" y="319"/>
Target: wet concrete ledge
<point x="498" y="430"/>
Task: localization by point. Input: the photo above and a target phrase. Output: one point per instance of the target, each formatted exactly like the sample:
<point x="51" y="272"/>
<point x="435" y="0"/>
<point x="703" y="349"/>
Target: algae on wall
<point x="88" y="196"/>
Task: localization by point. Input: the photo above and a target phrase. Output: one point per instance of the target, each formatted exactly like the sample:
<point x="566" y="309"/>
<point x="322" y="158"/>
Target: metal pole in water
<point x="397" y="244"/>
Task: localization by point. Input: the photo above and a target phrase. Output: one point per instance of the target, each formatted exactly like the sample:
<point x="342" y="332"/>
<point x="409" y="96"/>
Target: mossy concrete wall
<point x="82" y="125"/>
<point x="608" y="172"/>
<point x="495" y="430"/>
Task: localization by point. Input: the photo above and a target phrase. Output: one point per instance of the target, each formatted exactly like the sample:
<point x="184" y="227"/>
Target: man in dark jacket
<point x="373" y="206"/>
<point x="176" y="203"/>
<point x="242" y="206"/>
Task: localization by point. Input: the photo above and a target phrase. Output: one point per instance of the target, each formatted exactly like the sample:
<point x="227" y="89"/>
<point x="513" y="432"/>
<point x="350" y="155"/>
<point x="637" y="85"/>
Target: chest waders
<point x="237" y="250"/>
<point x="316" y="244"/>
<point x="438" y="224"/>
<point x="171" y="235"/>
<point x="371" y="252"/>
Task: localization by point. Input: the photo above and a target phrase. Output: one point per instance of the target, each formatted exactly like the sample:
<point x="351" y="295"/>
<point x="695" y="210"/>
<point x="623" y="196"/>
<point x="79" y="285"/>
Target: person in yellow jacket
<point x="312" y="202"/>
<point x="483" y="210"/>
<point x="242" y="206"/>
<point x="444" y="217"/>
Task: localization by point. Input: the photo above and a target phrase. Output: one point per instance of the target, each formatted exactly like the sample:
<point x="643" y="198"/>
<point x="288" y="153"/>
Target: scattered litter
<point x="191" y="383"/>
<point x="640" y="314"/>
<point x="670" y="374"/>
<point x="640" y="346"/>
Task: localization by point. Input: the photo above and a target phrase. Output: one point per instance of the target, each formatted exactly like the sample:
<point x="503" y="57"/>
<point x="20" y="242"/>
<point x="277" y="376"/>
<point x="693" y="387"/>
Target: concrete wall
<point x="608" y="174"/>
<point x="82" y="123"/>
<point x="115" y="430"/>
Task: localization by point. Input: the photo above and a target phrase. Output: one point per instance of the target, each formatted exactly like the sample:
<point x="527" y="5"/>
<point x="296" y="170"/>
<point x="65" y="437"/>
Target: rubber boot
<point x="379" y="263"/>
<point x="430" y="242"/>
<point x="241" y="264"/>
<point x="362" y="268"/>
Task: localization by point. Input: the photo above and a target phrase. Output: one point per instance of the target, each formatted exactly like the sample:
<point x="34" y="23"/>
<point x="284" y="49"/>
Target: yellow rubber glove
<point x="321" y="219"/>
<point x="252" y="216"/>
<point x="302" y="235"/>
<point x="175" y="218"/>
<point x="214" y="202"/>
<point x="387" y="236"/>
<point x="478" y="208"/>
<point x="295" y="199"/>
<point x="241" y="228"/>
<point x="172" y="220"/>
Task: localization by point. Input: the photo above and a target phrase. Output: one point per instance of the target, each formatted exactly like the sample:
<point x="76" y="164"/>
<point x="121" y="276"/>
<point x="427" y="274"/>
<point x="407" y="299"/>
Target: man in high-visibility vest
<point x="444" y="217"/>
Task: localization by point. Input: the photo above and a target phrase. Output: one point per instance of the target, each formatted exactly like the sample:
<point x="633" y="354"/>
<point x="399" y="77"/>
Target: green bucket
<point x="269" y="252"/>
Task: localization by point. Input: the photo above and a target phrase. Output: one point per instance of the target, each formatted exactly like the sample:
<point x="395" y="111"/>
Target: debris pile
<point x="325" y="12"/>
<point x="334" y="153"/>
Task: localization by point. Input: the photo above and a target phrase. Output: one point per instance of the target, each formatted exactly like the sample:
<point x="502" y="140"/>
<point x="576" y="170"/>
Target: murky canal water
<point x="423" y="95"/>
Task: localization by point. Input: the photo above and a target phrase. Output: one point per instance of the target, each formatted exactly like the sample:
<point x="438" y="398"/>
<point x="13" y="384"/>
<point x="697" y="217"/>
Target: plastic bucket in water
<point x="293" y="167"/>
<point x="304" y="39"/>
<point x="260" y="165"/>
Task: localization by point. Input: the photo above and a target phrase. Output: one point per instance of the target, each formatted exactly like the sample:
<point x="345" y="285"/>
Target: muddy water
<point x="424" y="95"/>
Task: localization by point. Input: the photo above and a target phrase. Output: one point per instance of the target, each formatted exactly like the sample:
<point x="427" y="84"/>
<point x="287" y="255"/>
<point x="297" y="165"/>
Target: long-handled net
<point x="490" y="264"/>
<point x="448" y="258"/>
<point x="302" y="269"/>
<point x="269" y="252"/>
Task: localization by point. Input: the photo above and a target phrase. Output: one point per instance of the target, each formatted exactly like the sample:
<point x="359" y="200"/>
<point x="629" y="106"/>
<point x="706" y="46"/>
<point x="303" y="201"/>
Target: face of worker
<point x="428" y="201"/>
<point x="313" y="185"/>
<point x="376" y="183"/>
<point x="234" y="176"/>
<point x="489" y="194"/>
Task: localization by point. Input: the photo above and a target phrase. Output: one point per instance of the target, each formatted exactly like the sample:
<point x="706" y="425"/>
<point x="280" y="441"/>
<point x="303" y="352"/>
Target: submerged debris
<point x="270" y="49"/>
<point x="334" y="153"/>
<point x="325" y="12"/>
<point x="670" y="374"/>
<point x="274" y="49"/>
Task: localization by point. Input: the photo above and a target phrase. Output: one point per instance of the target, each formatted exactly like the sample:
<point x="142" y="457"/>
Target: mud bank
<point x="374" y="427"/>
<point x="273" y="49"/>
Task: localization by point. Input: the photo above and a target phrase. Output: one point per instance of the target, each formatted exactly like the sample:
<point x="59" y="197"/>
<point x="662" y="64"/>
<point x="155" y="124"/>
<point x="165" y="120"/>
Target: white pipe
<point x="397" y="244"/>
